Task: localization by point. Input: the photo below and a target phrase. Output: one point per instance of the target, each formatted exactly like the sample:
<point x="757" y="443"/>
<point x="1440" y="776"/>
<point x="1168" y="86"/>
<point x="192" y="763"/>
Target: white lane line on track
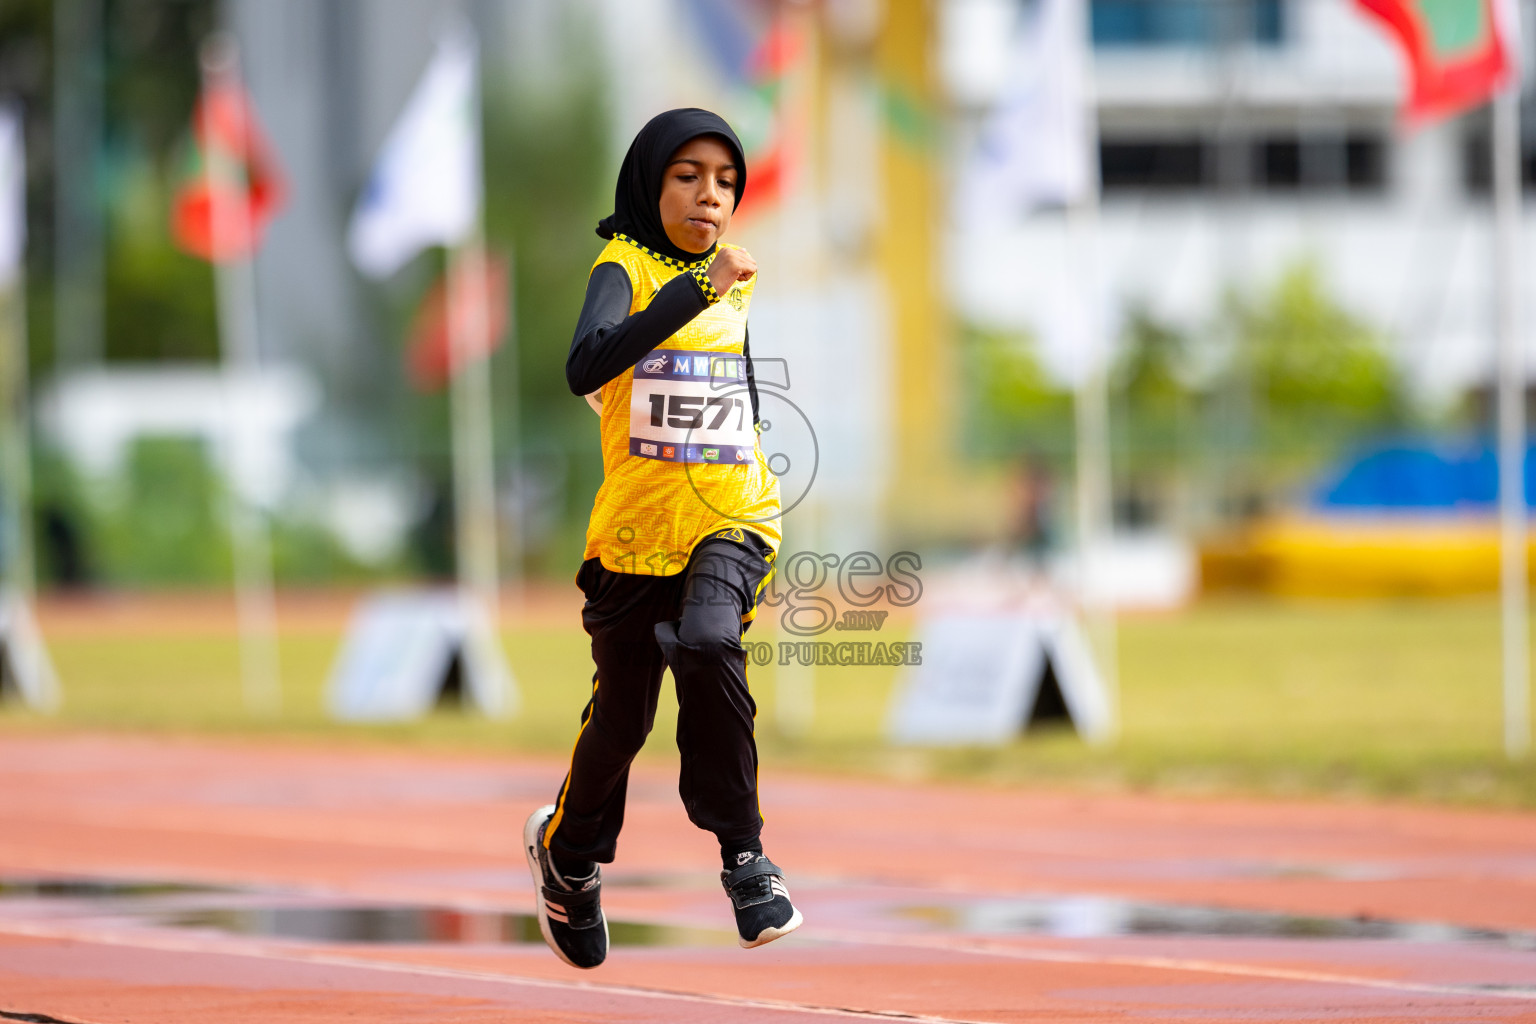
<point x="1165" y="963"/>
<point x="173" y="944"/>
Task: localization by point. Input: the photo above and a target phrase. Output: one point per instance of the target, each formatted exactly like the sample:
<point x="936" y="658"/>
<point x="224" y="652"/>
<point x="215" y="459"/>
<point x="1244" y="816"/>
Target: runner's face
<point x="698" y="193"/>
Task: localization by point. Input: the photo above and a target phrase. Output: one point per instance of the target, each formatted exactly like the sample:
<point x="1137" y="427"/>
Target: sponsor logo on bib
<point x="647" y="449"/>
<point x="656" y="365"/>
<point x="711" y="454"/>
<point x="668" y="451"/>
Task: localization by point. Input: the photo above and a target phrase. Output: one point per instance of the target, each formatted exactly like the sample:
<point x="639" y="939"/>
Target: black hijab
<point x="635" y="199"/>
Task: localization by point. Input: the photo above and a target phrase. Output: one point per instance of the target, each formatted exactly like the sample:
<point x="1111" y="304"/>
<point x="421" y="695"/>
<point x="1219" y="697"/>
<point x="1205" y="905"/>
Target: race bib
<point x="691" y="407"/>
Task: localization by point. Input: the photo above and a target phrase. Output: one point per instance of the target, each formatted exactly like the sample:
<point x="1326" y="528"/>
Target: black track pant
<point x="691" y="622"/>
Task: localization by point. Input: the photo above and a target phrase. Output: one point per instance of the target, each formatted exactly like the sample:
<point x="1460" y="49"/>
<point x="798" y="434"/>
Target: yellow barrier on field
<point x="1358" y="557"/>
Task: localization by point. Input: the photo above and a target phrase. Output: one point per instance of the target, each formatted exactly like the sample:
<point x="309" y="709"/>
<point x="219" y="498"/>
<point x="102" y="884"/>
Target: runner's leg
<point x="620" y="615"/>
<point x="716" y="712"/>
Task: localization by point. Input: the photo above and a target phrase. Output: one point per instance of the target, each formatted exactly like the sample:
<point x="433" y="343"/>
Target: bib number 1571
<point x="688" y="412"/>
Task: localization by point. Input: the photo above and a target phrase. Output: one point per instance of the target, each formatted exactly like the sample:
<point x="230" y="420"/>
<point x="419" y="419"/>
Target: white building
<point x="1225" y="162"/>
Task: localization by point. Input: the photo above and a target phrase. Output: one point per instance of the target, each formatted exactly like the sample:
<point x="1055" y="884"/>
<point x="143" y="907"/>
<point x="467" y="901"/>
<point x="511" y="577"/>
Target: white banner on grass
<point x="24" y="661"/>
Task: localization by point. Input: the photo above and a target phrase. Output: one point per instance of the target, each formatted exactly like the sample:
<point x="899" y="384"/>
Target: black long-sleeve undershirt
<point x="609" y="340"/>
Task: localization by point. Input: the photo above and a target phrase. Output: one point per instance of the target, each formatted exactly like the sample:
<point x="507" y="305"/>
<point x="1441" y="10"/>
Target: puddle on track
<point x="417" y="924"/>
<point x="1096" y="917"/>
<point x="94" y="888"/>
<point x="288" y="915"/>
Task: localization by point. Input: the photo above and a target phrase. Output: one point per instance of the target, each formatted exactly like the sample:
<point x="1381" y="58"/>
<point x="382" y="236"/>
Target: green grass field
<point x="1354" y="698"/>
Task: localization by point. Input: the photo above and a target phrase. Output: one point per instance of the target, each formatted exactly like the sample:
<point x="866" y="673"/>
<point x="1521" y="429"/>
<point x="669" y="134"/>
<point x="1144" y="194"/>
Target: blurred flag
<point x="1459" y="52"/>
<point x="430" y="353"/>
<point x="245" y="173"/>
<point x="13" y="196"/>
<point x="425" y="187"/>
<point x="1035" y="147"/>
<point x="770" y="154"/>
<point x="756" y="61"/>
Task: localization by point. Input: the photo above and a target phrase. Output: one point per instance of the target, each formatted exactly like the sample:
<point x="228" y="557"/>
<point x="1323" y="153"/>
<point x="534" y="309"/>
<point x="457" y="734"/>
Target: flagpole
<point x="474" y="488"/>
<point x="1513" y="576"/>
<point x="474" y="467"/>
<point x="512" y="403"/>
<point x="795" y="685"/>
<point x="21" y="567"/>
<point x="18" y="572"/>
<point x="1095" y="483"/>
<point x="235" y="282"/>
<point x="1094" y="503"/>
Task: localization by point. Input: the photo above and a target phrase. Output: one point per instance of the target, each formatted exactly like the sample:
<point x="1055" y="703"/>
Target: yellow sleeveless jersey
<point x="681" y="460"/>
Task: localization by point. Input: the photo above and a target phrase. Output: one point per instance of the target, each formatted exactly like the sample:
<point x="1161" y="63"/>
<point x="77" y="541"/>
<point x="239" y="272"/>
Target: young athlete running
<point x="682" y="537"/>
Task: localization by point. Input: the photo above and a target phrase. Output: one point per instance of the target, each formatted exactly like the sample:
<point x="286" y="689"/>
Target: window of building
<point x="1161" y="164"/>
<point x="1203" y="23"/>
<point x="1477" y="161"/>
<point x="1320" y="162"/>
<point x="1278" y="163"/>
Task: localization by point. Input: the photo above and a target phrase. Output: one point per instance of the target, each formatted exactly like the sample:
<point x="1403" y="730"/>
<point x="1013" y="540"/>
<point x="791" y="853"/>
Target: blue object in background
<point x="1420" y="476"/>
<point x="1201" y="24"/>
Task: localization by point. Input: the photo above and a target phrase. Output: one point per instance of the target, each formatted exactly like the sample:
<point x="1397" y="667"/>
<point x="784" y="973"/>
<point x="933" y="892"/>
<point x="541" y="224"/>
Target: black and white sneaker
<point x="570" y="910"/>
<point x="761" y="901"/>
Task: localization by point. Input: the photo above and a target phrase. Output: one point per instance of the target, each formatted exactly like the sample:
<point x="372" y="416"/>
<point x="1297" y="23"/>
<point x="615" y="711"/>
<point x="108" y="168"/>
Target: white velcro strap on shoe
<point x="754" y="884"/>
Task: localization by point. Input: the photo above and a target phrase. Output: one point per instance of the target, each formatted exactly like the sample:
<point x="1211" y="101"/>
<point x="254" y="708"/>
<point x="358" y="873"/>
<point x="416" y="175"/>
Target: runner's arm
<point x="609" y="340"/>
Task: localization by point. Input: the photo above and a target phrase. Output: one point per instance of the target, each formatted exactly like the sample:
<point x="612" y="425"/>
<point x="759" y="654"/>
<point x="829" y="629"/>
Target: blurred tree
<point x="1320" y="377"/>
<point x="550" y="172"/>
<point x="1309" y="378"/>
<point x="26" y="33"/>
<point x="163" y="526"/>
<point x="1014" y="407"/>
<point x="1154" y="417"/>
<point x="159" y="301"/>
<point x="26" y="77"/>
<point x="60" y="519"/>
<point x="1155" y="406"/>
<point x="152" y="68"/>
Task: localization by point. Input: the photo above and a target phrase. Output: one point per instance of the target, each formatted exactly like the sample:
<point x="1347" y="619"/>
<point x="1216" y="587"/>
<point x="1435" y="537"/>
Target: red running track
<point x="932" y="901"/>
